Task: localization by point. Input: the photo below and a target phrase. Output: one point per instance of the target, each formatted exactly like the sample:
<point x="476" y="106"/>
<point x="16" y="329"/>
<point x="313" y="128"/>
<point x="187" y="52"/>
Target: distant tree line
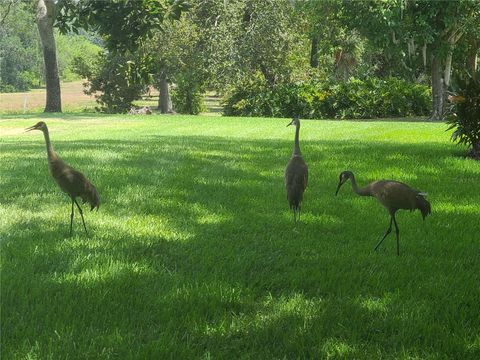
<point x="221" y="45"/>
<point x="185" y="48"/>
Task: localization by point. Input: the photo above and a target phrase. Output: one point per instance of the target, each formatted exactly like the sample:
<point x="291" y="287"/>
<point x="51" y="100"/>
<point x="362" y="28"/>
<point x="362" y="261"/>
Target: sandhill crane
<point x="296" y="174"/>
<point x="393" y="195"/>
<point x="71" y="181"/>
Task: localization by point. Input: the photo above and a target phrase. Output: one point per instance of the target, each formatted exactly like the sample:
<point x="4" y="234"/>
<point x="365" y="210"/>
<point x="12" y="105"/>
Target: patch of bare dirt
<point x="72" y="97"/>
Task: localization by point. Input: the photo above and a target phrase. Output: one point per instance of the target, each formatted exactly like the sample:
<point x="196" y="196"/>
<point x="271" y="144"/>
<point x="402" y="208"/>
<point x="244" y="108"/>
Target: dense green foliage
<point x="373" y="98"/>
<point x="194" y="253"/>
<point x="357" y="99"/>
<point x="73" y="49"/>
<point x="114" y="79"/>
<point x="21" y="63"/>
<point x="178" y="52"/>
<point x="21" y="59"/>
<point x="187" y="96"/>
<point x="126" y="28"/>
<point x="216" y="44"/>
<point x="200" y="46"/>
<point x="124" y="25"/>
<point x="464" y="117"/>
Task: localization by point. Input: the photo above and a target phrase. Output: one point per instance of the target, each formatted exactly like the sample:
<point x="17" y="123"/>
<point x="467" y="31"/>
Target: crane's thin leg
<point x="81" y="214"/>
<point x="299" y="209"/>
<point x="397" y="232"/>
<point x="71" y="220"/>
<point x="389" y="230"/>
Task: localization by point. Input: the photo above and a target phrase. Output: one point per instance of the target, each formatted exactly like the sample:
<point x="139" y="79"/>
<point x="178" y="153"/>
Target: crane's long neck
<point x="296" y="146"/>
<point x="50" y="152"/>
<point x="364" y="191"/>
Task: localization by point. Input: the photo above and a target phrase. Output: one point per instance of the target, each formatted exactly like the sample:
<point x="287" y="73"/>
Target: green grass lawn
<point x="194" y="254"/>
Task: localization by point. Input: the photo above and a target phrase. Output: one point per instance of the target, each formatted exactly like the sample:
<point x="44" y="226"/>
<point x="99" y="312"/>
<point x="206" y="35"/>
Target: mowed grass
<point x="194" y="254"/>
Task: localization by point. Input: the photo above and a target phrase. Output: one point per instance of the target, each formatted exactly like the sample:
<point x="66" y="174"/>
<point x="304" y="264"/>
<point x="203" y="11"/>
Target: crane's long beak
<point x="30" y="128"/>
<point x="338" y="188"/>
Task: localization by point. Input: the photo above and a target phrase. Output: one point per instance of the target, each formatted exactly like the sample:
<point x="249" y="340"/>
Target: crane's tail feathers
<point x="91" y="196"/>
<point x="95" y="199"/>
<point x="423" y="205"/>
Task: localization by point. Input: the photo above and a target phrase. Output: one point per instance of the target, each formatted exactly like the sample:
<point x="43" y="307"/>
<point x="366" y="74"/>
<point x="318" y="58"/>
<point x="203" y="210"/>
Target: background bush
<point x="187" y="96"/>
<point x="21" y="57"/>
<point x="354" y="99"/>
<point x="464" y="115"/>
<point x="72" y="48"/>
<point x="114" y="79"/>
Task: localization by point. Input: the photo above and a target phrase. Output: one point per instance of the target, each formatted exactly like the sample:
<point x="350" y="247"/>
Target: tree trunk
<point x="438" y="89"/>
<point x="164" y="101"/>
<point x="424" y="56"/>
<point x="45" y="19"/>
<point x="475" y="151"/>
<point x="472" y="57"/>
<point x="314" y="52"/>
<point x="269" y="77"/>
<point x="448" y="70"/>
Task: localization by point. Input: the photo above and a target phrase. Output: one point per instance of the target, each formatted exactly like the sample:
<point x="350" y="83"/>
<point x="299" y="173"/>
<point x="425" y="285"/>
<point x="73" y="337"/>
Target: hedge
<point x="354" y="99"/>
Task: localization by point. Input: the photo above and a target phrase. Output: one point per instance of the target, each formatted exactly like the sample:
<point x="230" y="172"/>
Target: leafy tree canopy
<point x="123" y="23"/>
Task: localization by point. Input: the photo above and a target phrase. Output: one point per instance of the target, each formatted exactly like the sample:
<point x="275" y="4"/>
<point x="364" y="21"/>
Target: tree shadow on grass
<point x="194" y="253"/>
<point x="147" y="296"/>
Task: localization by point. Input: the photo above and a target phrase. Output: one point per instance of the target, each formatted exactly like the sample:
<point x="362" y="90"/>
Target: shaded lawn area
<point x="194" y="253"/>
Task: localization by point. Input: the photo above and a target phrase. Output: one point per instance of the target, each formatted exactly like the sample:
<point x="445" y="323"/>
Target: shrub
<point x="248" y="98"/>
<point x="187" y="96"/>
<point x="114" y="78"/>
<point x="464" y="115"/>
<point x="373" y="98"/>
<point x="7" y="88"/>
<point x="71" y="49"/>
<point x="354" y="99"/>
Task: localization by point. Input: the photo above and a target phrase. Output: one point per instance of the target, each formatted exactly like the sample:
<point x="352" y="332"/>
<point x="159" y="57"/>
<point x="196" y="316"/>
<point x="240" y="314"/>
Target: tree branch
<point x="7" y="12"/>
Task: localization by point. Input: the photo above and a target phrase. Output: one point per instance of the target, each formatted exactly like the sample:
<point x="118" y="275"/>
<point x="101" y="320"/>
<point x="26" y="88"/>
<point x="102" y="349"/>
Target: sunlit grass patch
<point x="335" y="348"/>
<point x="375" y="304"/>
